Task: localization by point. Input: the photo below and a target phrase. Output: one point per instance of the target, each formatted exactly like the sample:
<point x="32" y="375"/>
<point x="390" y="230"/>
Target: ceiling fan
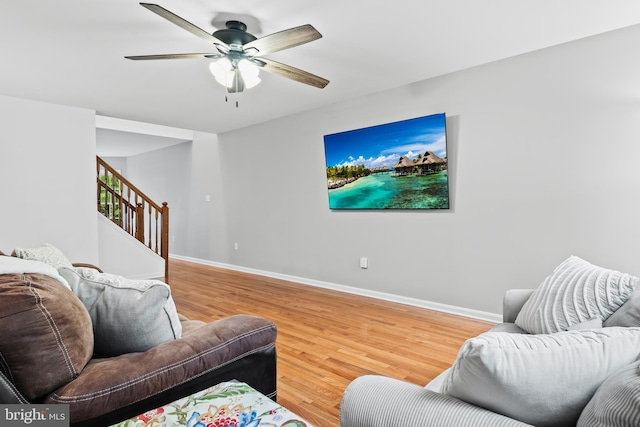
<point x="240" y="55"/>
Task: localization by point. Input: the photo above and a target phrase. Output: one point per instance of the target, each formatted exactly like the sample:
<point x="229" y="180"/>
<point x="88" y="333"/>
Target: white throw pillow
<point x="543" y="380"/>
<point x="127" y="315"/>
<point x="575" y="292"/>
<point x="46" y="253"/>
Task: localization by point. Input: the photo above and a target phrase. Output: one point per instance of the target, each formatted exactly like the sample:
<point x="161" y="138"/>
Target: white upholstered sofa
<point x="567" y="354"/>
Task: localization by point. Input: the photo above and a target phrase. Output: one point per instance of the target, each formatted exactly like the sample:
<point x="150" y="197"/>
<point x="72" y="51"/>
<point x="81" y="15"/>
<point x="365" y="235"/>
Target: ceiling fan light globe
<point x="220" y="70"/>
<point x="250" y="72"/>
<point x="248" y="68"/>
<point x="251" y="82"/>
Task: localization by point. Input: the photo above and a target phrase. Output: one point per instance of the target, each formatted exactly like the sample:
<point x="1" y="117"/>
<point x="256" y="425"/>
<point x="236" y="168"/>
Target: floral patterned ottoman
<point x="228" y="404"/>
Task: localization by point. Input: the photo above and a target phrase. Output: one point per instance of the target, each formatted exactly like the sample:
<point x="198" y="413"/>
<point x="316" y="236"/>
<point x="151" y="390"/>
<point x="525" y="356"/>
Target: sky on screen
<point x="384" y="144"/>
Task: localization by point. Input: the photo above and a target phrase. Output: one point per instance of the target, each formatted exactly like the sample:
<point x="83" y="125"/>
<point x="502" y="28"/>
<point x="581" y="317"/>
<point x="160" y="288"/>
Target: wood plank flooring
<point x="325" y="338"/>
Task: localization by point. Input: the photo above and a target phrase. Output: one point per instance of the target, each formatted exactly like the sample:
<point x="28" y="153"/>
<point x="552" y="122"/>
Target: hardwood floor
<point x="326" y="338"/>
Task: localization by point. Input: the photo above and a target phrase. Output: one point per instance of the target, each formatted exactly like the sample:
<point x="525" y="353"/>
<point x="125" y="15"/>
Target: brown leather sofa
<point x="46" y="356"/>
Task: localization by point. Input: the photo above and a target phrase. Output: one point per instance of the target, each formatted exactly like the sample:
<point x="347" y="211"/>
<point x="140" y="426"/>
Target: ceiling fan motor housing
<point x="234" y="34"/>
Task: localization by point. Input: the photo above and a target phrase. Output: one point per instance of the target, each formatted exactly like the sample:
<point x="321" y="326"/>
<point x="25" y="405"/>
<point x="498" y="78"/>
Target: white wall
<point x="126" y="256"/>
<point x="47" y="170"/>
<point x="187" y="176"/>
<point x="543" y="153"/>
<point x="206" y="234"/>
<point x="118" y="163"/>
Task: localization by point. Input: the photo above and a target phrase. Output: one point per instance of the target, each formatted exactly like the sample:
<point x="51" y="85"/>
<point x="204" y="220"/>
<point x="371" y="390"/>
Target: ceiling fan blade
<point x="176" y="56"/>
<point x="284" y="39"/>
<point x="184" y="24"/>
<point x="292" y="73"/>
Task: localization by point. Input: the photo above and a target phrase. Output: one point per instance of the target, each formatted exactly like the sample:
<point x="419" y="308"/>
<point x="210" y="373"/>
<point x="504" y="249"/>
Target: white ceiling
<point x="71" y="52"/>
<point x="116" y="143"/>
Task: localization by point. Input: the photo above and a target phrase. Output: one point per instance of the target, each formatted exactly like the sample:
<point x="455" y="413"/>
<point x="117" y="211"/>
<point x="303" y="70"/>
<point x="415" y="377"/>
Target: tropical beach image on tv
<point x="400" y="165"/>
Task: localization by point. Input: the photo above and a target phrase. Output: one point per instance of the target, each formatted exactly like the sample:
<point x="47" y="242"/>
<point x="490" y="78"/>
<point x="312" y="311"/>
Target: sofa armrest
<point x="9" y="394"/>
<point x="110" y="390"/>
<point x="512" y="303"/>
<point x="84" y="264"/>
<point x="376" y="401"/>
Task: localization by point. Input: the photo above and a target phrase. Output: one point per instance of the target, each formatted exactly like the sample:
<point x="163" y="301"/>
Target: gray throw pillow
<point x="627" y="315"/>
<point x="127" y="315"/>
<point x="617" y="401"/>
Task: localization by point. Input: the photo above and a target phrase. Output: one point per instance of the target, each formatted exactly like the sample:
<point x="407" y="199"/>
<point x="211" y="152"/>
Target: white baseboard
<point x="436" y="306"/>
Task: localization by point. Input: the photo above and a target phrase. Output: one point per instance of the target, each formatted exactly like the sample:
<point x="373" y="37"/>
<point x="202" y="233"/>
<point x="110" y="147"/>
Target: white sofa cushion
<point x="127" y="315"/>
<point x="575" y="292"/>
<point x="544" y="380"/>
<point x="13" y="265"/>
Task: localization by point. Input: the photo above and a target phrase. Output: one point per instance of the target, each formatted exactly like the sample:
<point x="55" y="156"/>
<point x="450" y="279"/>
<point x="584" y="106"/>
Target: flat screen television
<point x="399" y="165"/>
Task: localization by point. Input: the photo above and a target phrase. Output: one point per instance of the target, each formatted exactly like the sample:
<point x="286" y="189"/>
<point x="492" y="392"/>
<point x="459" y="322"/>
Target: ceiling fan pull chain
<point x="226" y="99"/>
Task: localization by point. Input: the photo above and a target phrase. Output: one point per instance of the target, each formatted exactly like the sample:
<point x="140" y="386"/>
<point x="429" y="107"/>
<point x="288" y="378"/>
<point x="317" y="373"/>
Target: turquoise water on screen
<point x="384" y="191"/>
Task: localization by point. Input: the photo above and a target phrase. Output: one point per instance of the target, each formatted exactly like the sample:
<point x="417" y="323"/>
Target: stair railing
<point x="130" y="209"/>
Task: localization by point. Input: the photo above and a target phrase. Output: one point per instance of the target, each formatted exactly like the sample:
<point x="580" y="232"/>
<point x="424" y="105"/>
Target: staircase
<point x="135" y="213"/>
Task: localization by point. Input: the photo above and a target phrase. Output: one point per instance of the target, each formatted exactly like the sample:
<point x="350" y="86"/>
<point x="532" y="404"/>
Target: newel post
<point x="164" y="242"/>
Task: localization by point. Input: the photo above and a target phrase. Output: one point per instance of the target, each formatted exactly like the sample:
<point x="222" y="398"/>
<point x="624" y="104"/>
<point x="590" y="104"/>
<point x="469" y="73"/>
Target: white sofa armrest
<point x="376" y="401"/>
<point x="512" y="303"/>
